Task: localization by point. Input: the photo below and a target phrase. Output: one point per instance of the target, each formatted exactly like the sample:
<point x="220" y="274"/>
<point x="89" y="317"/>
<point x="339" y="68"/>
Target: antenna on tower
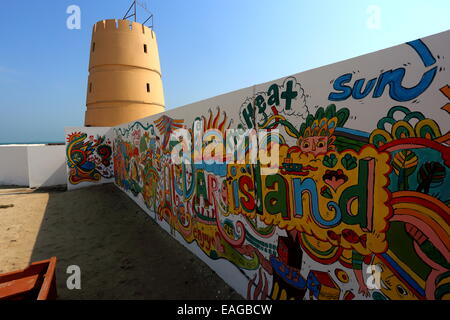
<point x="134" y="12"/>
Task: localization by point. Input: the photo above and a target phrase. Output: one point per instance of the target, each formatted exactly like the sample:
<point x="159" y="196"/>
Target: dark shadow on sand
<point x="122" y="252"/>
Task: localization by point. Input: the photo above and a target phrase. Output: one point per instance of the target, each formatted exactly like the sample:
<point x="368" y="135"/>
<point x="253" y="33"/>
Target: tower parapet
<point x="124" y="74"/>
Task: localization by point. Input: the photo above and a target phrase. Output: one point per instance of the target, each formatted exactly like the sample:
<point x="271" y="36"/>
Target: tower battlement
<point x="112" y="25"/>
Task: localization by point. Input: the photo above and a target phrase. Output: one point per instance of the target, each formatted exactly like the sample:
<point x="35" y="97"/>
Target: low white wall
<point x="32" y="165"/>
<point x="46" y="165"/>
<point x="14" y="165"/>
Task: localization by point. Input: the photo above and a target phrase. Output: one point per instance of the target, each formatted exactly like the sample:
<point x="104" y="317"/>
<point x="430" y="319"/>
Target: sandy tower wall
<point x="124" y="74"/>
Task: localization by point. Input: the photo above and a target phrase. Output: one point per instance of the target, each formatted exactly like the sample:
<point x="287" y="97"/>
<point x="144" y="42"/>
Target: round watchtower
<point x="124" y="74"/>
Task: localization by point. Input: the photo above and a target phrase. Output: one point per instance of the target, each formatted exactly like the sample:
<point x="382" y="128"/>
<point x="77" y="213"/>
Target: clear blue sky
<point x="207" y="47"/>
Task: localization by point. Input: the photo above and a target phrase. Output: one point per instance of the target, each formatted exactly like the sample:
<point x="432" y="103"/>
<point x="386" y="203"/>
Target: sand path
<point x="122" y="253"/>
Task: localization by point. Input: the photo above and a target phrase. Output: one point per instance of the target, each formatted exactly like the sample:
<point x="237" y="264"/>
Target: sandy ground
<point x="122" y="253"/>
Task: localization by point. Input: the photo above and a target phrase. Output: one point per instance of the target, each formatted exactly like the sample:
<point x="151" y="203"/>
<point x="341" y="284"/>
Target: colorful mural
<point x="358" y="207"/>
<point x="89" y="157"/>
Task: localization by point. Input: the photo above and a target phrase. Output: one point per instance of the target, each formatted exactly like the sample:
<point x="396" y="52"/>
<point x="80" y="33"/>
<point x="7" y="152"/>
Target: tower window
<point x="145" y="48"/>
<point x="90" y="87"/>
<point x="93" y="46"/>
<point x="148" y="87"/>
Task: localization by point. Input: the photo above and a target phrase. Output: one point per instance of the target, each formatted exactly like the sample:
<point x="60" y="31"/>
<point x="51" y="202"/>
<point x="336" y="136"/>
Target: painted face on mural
<point x="314" y="145"/>
<point x="391" y="286"/>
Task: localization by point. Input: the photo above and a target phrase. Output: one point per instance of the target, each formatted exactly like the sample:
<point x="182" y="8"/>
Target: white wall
<point x="46" y="165"/>
<point x="32" y="165"/>
<point x="14" y="165"/>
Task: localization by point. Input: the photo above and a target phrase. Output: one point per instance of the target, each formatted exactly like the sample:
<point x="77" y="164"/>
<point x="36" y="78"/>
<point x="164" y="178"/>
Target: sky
<point x="206" y="48"/>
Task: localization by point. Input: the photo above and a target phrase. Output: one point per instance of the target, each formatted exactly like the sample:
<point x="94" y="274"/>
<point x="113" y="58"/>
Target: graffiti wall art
<point x="89" y="156"/>
<point x="329" y="184"/>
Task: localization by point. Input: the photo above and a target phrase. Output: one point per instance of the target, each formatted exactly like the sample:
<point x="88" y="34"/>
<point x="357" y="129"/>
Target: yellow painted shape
<point x="391" y="283"/>
<point x="376" y="239"/>
<point x="283" y="295"/>
<point x="275" y="291"/>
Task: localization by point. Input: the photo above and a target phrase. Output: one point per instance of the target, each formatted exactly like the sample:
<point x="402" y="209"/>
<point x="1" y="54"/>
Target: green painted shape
<point x="402" y="245"/>
<point x="238" y="259"/>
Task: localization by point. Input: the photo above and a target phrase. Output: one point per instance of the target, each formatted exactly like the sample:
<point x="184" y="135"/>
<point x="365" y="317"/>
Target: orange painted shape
<point x="446" y="107"/>
<point x="446" y="91"/>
